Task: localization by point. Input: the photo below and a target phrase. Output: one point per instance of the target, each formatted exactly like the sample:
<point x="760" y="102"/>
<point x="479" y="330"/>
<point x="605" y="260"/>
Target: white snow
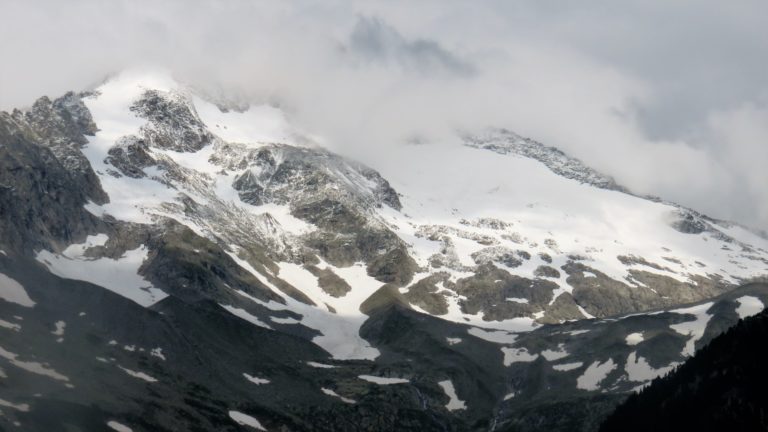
<point x="383" y="380"/>
<point x="748" y="306"/>
<point x="330" y="392"/>
<point x="288" y="320"/>
<point x="18" y="407"/>
<point x="9" y="325"/>
<point x="453" y="341"/>
<point x="439" y="183"/>
<point x="59" y="331"/>
<point x="577" y="332"/>
<point x="694" y="329"/>
<point x="256" y="380"/>
<point x="12" y="291"/>
<point x="586" y="314"/>
<point x="552" y="355"/>
<point x="259" y="124"/>
<point x="33" y="367"/>
<point x="340" y="332"/>
<point x="119" y="427"/>
<point x="242" y="313"/>
<point x="639" y="370"/>
<point x="563" y="367"/>
<point x="129" y="199"/>
<point x="634" y="338"/>
<point x="60" y="326"/>
<point x="320" y="365"/>
<point x="120" y="276"/>
<point x="496" y="336"/>
<point x="442" y="183"/>
<point x="517" y="300"/>
<point x="157" y="352"/>
<point x="245" y="420"/>
<point x="454" y="403"/>
<point x="595" y="374"/>
<point x="517" y="355"/>
<point x="137" y="374"/>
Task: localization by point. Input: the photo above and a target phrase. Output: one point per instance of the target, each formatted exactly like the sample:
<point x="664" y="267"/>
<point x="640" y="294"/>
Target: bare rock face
<point x="330" y="282"/>
<point x="395" y="267"/>
<point x="424" y="294"/>
<point x="490" y="289"/>
<point x="63" y="125"/>
<point x="130" y="155"/>
<point x="504" y="142"/>
<point x="603" y="296"/>
<point x="173" y="122"/>
<point x="44" y="179"/>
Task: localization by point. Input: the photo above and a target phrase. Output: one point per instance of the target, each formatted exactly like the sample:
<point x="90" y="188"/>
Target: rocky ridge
<point x="288" y="245"/>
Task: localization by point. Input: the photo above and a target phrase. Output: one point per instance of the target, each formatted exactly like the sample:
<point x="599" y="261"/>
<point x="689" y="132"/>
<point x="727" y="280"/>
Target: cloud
<point x="669" y="98"/>
<point x="372" y="40"/>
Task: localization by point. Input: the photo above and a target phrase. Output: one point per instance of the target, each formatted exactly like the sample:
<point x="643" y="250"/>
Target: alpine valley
<point x="174" y="261"/>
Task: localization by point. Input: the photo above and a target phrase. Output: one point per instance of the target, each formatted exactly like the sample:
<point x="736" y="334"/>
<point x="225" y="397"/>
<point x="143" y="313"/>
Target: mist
<point x="669" y="98"/>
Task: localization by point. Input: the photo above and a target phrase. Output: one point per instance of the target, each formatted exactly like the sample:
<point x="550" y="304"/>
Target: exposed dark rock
<point x="41" y="201"/>
<point x="688" y="224"/>
<point x="424" y="294"/>
<point x="193" y="268"/>
<point x="395" y="267"/>
<point x="489" y="288"/>
<point x="546" y="271"/>
<point x="330" y="282"/>
<point x="173" y="122"/>
<point x="130" y="155"/>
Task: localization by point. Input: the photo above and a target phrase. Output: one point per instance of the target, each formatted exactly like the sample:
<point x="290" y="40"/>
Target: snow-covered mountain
<point x="470" y="280"/>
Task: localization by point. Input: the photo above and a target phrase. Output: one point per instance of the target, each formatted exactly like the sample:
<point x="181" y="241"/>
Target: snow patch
<point x="321" y="365"/>
<point x="245" y="420"/>
<point x="60" y="327"/>
<point x="496" y="336"/>
<point x="694" y="329"/>
<point x="256" y="380"/>
<point x="9" y="325"/>
<point x="748" y="306"/>
<point x="119" y="427"/>
<point x="453" y="341"/>
<point x="595" y="374"/>
<point x="454" y="403"/>
<point x="157" y="352"/>
<point x="634" y="338"/>
<point x="383" y="380"/>
<point x="242" y="313"/>
<point x="517" y="355"/>
<point x="563" y="367"/>
<point x="552" y="355"/>
<point x="33" y="367"/>
<point x="139" y="375"/>
<point x="330" y="392"/>
<point x="18" y="407"/>
<point x="14" y="292"/>
<point x="120" y="276"/>
<point x="639" y="370"/>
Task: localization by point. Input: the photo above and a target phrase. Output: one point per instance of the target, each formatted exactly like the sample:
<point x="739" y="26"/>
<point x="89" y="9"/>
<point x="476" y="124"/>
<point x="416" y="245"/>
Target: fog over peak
<point x="669" y="98"/>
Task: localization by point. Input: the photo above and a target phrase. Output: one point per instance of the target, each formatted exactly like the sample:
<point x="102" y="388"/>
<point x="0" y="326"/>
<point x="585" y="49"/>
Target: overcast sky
<point x="669" y="97"/>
